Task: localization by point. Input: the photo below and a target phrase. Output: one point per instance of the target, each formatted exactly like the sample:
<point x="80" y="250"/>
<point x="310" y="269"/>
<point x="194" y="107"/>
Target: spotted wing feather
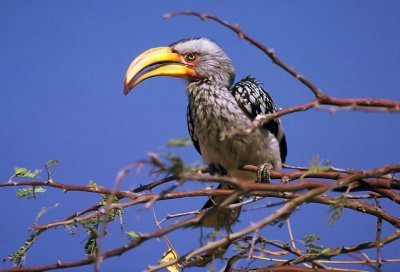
<point x="190" y="124"/>
<point x="254" y="100"/>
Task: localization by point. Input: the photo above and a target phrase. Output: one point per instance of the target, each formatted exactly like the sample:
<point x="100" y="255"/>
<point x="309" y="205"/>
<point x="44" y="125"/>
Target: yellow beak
<point x="170" y="64"/>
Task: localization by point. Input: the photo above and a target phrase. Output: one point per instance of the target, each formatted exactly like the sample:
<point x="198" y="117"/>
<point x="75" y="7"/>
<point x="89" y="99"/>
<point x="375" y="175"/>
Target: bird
<point x="217" y="105"/>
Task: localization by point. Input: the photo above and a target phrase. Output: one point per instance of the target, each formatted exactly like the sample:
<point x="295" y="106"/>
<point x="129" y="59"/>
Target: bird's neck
<point x="210" y="100"/>
<point x="206" y="87"/>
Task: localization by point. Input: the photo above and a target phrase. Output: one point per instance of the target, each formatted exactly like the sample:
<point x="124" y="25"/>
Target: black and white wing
<point x="190" y="125"/>
<point x="254" y="100"/>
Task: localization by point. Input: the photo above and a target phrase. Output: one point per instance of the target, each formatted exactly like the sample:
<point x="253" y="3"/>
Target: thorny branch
<point x="326" y="186"/>
<point x="375" y="178"/>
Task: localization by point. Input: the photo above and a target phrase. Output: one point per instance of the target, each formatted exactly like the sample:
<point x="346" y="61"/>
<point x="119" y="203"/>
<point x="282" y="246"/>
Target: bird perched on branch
<point x="215" y="107"/>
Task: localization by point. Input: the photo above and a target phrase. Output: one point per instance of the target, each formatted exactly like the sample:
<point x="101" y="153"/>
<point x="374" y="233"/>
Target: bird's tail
<point x="224" y="217"/>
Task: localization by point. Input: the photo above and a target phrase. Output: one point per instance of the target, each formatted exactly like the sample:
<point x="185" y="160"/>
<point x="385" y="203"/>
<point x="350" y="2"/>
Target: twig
<point x="378" y="237"/>
<point x="343" y="250"/>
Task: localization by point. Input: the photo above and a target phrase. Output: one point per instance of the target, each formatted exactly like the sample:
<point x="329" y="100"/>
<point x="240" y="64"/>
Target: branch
<point x="342" y="250"/>
<point x="358" y="179"/>
<point x="363" y="104"/>
<point x="322" y="98"/>
<point x="269" y="52"/>
<point x="73" y="188"/>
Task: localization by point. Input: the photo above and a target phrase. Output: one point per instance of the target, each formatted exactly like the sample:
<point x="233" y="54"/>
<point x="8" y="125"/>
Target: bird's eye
<point x="191" y="56"/>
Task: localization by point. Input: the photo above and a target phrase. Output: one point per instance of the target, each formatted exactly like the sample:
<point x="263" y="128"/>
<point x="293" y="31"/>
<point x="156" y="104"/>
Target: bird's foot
<point x="264" y="172"/>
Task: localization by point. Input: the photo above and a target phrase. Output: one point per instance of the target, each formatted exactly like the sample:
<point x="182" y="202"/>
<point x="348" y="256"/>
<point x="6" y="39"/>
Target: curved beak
<point x="163" y="62"/>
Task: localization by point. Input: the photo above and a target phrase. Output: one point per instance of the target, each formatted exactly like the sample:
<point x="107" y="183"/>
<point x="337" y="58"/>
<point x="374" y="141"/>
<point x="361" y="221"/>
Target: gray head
<point x="207" y="59"/>
<point x="191" y="59"/>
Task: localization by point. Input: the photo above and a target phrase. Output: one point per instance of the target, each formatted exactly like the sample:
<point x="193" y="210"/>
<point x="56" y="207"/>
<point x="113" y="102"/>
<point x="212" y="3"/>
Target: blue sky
<point x="62" y="65"/>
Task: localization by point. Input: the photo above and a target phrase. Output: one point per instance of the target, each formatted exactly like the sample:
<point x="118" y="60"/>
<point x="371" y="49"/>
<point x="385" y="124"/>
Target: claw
<point x="264" y="172"/>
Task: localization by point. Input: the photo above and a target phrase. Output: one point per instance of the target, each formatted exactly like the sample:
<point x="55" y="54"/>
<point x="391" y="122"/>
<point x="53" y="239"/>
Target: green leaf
<point x="92" y="183"/>
<point x="108" y="199"/>
<point x="179" y="142"/>
<point x="311" y="238"/>
<point x="336" y="209"/>
<point x="316" y="165"/>
<point x="110" y="217"/>
<point x="51" y="163"/>
<point x="91" y="244"/>
<point x="90" y="226"/>
<point x="132" y="235"/>
<point x="20" y="255"/>
<point x="29" y="192"/>
<point x="23" y="172"/>
<point x="326" y="250"/>
<point x="314" y="249"/>
<point x="177" y="165"/>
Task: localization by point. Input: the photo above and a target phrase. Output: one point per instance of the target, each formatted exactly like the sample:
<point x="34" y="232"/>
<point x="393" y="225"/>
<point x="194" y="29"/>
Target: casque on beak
<point x="165" y="62"/>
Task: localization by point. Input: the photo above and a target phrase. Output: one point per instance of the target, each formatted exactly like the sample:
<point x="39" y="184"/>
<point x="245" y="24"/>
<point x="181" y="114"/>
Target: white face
<point x="211" y="62"/>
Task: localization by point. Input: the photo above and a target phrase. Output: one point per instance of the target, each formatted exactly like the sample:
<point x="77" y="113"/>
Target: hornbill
<point x="215" y="106"/>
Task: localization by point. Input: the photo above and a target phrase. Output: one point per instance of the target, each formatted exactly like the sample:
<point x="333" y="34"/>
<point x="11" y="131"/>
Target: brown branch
<point x="350" y="204"/>
<point x="255" y="189"/>
<point x="349" y="104"/>
<point x="378" y="237"/>
<point x="361" y="184"/>
<point x="282" y="212"/>
<point x="113" y="252"/>
<point x="286" y="268"/>
<point x="389" y="194"/>
<point x="269" y="52"/>
<point x="263" y="119"/>
<point x="315" y="188"/>
<point x="154" y="184"/>
<point x="321" y="98"/>
<point x="285" y="247"/>
<point x="347" y="249"/>
<point x="72" y="188"/>
<point x="363" y="104"/>
<point x="92" y="208"/>
<point x="325" y="173"/>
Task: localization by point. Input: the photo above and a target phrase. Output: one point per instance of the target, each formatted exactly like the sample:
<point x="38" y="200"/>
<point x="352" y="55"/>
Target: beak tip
<point x="127" y="88"/>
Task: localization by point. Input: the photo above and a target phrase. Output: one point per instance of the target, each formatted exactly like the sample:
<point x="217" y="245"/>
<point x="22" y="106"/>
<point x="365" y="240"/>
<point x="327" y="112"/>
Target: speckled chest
<point x="213" y="110"/>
